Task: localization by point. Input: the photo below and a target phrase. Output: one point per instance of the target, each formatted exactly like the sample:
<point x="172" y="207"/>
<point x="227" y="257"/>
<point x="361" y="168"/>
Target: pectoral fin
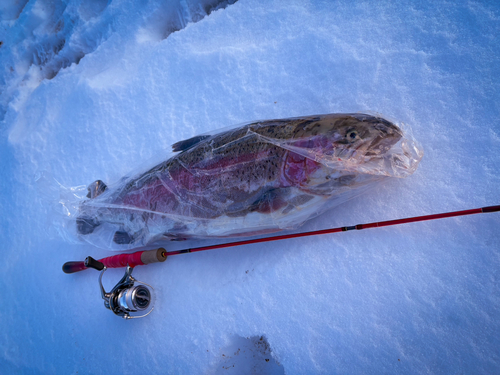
<point x="270" y="201"/>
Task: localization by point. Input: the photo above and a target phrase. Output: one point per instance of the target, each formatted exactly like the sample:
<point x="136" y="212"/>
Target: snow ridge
<point x="44" y="37"/>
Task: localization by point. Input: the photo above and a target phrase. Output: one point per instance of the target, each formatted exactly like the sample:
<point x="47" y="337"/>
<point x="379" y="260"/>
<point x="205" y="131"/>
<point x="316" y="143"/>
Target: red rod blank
<point x="340" y="229"/>
<point x="159" y="255"/>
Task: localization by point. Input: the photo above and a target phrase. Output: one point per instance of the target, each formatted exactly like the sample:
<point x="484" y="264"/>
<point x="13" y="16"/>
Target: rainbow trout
<point x="258" y="178"/>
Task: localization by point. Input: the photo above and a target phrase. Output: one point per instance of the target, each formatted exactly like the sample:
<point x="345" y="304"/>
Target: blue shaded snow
<point x="89" y="90"/>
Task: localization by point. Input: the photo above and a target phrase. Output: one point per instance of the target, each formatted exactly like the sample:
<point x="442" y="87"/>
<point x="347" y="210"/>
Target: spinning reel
<point x="129" y="298"/>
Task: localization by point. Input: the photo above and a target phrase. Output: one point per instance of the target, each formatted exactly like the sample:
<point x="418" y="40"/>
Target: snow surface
<point x="90" y="89"/>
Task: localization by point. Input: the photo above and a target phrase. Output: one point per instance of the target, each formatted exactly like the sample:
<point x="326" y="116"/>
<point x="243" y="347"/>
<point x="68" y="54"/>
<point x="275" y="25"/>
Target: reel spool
<point x="129" y="298"/>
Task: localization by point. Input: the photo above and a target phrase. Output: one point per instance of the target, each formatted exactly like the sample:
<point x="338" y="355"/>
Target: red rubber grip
<point x="121" y="260"/>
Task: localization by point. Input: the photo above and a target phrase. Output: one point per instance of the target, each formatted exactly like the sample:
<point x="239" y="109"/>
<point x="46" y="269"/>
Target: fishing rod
<point x="125" y="300"/>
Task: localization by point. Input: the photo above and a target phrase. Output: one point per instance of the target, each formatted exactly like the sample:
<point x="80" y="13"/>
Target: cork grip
<point x="154" y="256"/>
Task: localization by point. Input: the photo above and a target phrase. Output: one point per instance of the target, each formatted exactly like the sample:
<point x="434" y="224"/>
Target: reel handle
<point x="92" y="263"/>
<point x="72" y="267"/>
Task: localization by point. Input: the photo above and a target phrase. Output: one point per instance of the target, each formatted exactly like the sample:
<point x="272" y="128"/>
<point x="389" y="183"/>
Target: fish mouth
<point x="387" y="135"/>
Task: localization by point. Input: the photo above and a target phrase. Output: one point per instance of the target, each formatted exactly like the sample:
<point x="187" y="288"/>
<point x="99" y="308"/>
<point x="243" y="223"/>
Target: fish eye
<point x="352" y="135"/>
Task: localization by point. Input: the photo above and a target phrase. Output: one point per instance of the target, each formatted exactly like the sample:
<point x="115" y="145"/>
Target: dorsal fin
<point x="187" y="143"/>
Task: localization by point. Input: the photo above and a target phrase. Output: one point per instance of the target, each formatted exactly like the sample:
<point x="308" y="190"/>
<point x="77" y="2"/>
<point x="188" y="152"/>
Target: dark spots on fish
<point x="122" y="238"/>
<point x="86" y="225"/>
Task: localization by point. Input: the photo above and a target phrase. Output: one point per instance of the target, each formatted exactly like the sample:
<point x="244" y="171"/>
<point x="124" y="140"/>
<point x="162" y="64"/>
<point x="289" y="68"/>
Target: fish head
<point x="339" y="150"/>
<point x="359" y="137"/>
<point x="343" y="137"/>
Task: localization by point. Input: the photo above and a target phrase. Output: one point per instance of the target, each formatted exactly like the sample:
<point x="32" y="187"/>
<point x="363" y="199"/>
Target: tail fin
<point x="96" y="188"/>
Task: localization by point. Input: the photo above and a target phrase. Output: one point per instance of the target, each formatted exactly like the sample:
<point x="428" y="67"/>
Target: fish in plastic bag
<point x="256" y="178"/>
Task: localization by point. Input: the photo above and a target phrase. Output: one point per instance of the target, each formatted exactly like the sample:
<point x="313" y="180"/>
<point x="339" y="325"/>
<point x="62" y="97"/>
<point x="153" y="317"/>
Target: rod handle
<point x="138" y="258"/>
<point x="154" y="256"/>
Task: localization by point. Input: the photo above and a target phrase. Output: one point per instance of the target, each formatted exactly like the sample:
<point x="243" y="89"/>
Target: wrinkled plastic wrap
<point x="256" y="178"/>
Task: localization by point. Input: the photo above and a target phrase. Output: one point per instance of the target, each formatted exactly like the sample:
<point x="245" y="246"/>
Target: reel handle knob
<point x="92" y="263"/>
<point x="72" y="267"/>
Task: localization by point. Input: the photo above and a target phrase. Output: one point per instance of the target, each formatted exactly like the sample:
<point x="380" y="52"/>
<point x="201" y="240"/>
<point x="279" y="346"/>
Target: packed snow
<point x="93" y="89"/>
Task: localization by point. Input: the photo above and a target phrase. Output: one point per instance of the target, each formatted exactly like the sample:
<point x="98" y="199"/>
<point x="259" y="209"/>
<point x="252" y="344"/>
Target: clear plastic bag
<point x="256" y="178"/>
